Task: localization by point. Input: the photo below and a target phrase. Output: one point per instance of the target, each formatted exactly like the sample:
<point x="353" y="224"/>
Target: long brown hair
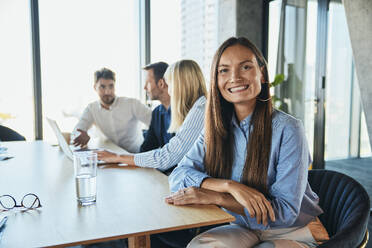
<point x="219" y="138"/>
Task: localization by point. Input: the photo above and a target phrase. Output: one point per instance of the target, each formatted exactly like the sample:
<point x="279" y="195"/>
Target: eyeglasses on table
<point x="29" y="201"/>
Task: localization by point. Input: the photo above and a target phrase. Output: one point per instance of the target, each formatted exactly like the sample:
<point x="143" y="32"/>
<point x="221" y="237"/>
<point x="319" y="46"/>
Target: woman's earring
<point x="264" y="95"/>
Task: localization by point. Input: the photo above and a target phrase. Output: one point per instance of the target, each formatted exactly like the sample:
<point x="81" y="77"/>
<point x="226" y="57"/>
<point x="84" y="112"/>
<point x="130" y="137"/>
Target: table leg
<point x="139" y="242"/>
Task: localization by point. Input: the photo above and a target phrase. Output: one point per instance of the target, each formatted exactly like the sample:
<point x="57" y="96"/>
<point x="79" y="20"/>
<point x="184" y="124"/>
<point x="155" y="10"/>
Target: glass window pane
<point x="187" y="31"/>
<point x="165" y="31"/>
<point x="16" y="97"/>
<point x="77" y="38"/>
<point x="274" y="25"/>
<point x="293" y="54"/>
<point x="338" y="88"/>
<point x="365" y="147"/>
<point x="310" y="64"/>
<point x="355" y="115"/>
<point x="199" y="37"/>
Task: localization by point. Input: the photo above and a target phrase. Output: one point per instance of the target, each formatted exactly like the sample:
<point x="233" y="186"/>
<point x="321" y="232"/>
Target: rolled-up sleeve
<point x="190" y="171"/>
<point x="141" y="112"/>
<point x="86" y="120"/>
<point x="173" y="152"/>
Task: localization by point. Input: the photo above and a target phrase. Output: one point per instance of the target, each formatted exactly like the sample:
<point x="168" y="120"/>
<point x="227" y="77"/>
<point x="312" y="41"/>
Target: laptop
<point x="66" y="148"/>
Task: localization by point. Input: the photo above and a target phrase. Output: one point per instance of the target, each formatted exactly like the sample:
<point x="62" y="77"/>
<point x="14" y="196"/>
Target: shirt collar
<point x="244" y="124"/>
<point x="163" y="110"/>
<point x="114" y="103"/>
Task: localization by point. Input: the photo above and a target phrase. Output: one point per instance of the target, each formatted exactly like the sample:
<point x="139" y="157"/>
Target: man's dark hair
<point x="159" y="69"/>
<point x="105" y="74"/>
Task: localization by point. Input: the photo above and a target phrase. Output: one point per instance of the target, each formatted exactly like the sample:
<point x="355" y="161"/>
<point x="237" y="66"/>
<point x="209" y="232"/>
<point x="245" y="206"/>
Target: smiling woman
<point x="252" y="160"/>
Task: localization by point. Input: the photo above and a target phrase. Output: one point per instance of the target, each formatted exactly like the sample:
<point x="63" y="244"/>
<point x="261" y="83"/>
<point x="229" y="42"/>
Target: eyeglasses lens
<point x="7" y="202"/>
<point x="30" y="201"/>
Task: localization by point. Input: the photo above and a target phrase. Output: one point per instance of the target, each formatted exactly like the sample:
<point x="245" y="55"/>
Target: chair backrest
<point x="7" y="134"/>
<point x="346" y="207"/>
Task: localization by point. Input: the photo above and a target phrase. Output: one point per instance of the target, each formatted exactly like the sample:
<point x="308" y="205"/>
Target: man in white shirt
<point x="117" y="117"/>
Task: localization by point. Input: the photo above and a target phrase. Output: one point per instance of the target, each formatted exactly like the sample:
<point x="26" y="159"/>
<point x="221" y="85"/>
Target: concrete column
<point x="242" y="18"/>
<point x="359" y="20"/>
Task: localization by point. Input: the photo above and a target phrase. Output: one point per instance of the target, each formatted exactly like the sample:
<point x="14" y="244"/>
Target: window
<point x="292" y="50"/>
<point x="339" y="85"/>
<point x="188" y="30"/>
<point x="76" y="39"/>
<point x="293" y="27"/>
<point x="165" y="31"/>
<point x="365" y="147"/>
<point x="16" y="95"/>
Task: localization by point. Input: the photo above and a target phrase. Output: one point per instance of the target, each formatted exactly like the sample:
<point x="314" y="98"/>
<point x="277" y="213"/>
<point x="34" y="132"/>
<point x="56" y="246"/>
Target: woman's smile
<point x="238" y="89"/>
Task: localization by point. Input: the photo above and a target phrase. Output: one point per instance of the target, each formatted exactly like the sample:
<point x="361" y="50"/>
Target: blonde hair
<point x="187" y="84"/>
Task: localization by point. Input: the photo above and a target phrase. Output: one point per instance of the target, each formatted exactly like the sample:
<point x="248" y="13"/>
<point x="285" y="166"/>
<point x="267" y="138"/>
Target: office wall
<point x="359" y="20"/>
<point x="241" y="18"/>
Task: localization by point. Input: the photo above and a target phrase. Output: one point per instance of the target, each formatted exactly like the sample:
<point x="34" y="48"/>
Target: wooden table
<point x="130" y="202"/>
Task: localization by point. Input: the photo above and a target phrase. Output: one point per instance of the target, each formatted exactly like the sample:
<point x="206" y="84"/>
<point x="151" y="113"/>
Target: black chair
<point x="346" y="208"/>
<point x="7" y="134"/>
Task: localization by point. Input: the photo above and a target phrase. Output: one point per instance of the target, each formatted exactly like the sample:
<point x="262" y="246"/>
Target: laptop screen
<point x="61" y="140"/>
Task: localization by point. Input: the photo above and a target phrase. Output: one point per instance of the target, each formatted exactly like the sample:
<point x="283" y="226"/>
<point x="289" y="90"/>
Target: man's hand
<point x="253" y="200"/>
<point x="81" y="140"/>
<point x="193" y="195"/>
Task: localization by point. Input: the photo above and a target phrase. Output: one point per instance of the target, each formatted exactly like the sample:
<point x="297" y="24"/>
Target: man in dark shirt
<point x="157" y="89"/>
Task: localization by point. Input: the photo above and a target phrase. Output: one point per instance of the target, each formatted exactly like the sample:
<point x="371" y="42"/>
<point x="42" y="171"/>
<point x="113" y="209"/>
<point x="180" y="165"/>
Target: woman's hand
<point x="108" y="157"/>
<point x="193" y="195"/>
<point x="114" y="158"/>
<point x="253" y="200"/>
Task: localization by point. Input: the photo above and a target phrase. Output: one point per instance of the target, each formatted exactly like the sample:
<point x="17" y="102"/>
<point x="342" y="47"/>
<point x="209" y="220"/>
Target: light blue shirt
<point x="291" y="197"/>
<point x="172" y="153"/>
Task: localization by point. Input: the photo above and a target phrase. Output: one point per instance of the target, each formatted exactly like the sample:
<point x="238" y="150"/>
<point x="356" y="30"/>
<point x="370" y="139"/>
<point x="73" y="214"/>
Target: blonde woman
<point x="187" y="89"/>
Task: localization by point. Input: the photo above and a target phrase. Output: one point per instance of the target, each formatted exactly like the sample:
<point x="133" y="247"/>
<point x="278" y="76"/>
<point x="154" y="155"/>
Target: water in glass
<point x="85" y="164"/>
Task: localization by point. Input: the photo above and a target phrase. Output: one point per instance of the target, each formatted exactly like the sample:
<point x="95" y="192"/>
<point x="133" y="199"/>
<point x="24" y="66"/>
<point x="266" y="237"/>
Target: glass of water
<point x="85" y="164"/>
